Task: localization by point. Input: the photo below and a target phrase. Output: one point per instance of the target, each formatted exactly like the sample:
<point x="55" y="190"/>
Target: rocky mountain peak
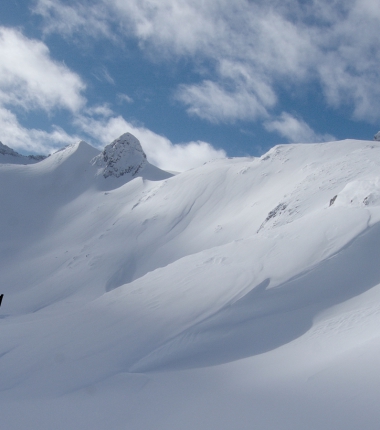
<point x="6" y="150"/>
<point x="123" y="156"/>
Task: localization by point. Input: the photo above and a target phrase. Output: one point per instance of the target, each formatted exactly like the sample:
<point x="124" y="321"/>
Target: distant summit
<point x="123" y="156"/>
<point x="8" y="155"/>
<point x="377" y="136"/>
<point x="6" y="150"/>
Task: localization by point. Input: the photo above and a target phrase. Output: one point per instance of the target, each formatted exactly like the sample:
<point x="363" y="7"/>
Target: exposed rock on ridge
<point x="123" y="156"/>
<point x="26" y="159"/>
<point x="6" y="150"/>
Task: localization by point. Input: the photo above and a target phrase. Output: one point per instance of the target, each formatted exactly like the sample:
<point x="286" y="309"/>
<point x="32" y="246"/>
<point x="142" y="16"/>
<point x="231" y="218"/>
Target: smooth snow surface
<point x="244" y="294"/>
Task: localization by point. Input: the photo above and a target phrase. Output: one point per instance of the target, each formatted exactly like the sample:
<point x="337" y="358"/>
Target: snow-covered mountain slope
<point x="192" y="301"/>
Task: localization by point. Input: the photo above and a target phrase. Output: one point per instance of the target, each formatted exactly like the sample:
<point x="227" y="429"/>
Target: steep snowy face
<point x="123" y="156"/>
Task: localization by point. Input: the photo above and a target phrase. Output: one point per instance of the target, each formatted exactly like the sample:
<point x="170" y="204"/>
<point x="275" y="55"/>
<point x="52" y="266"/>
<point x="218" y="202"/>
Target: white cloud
<point x="124" y="98"/>
<point x="28" y="141"/>
<point x="242" y="95"/>
<point x="31" y="79"/>
<point x="348" y="57"/>
<point x="160" y="151"/>
<point x="179" y="23"/>
<point x="280" y="44"/>
<point x="295" y="130"/>
<point x="209" y="101"/>
<point x="102" y="74"/>
<point x="65" y="19"/>
<point x="103" y="110"/>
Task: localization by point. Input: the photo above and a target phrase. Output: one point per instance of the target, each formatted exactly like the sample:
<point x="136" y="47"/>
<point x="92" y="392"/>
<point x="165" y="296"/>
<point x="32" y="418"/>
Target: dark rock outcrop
<point x="123" y="156"/>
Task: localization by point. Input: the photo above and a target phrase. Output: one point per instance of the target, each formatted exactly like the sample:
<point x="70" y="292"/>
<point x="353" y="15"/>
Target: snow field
<point x="194" y="301"/>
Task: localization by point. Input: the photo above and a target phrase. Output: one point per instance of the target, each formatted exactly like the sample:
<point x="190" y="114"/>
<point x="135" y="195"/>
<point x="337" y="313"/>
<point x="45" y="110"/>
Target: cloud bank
<point x="250" y="49"/>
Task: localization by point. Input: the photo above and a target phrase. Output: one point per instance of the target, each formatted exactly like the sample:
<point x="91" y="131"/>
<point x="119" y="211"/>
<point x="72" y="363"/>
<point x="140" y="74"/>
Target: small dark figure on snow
<point x="333" y="200"/>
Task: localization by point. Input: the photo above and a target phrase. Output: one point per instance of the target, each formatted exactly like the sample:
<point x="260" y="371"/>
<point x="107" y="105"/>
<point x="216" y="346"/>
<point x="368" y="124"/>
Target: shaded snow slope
<point x="250" y="277"/>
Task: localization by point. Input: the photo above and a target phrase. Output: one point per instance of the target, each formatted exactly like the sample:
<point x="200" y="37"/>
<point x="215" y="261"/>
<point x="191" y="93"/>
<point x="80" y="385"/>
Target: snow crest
<point x="123" y="156"/>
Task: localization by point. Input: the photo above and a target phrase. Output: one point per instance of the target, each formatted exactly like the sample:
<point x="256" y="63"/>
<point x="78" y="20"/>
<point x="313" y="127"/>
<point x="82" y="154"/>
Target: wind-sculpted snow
<point x="363" y="192"/>
<point x="251" y="278"/>
<point x="265" y="318"/>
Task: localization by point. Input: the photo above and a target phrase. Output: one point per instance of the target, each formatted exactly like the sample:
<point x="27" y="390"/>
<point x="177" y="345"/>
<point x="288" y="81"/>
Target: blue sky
<point x="192" y="79"/>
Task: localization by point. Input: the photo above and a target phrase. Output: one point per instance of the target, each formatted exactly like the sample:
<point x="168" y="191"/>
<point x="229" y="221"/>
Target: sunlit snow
<point x="243" y="294"/>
